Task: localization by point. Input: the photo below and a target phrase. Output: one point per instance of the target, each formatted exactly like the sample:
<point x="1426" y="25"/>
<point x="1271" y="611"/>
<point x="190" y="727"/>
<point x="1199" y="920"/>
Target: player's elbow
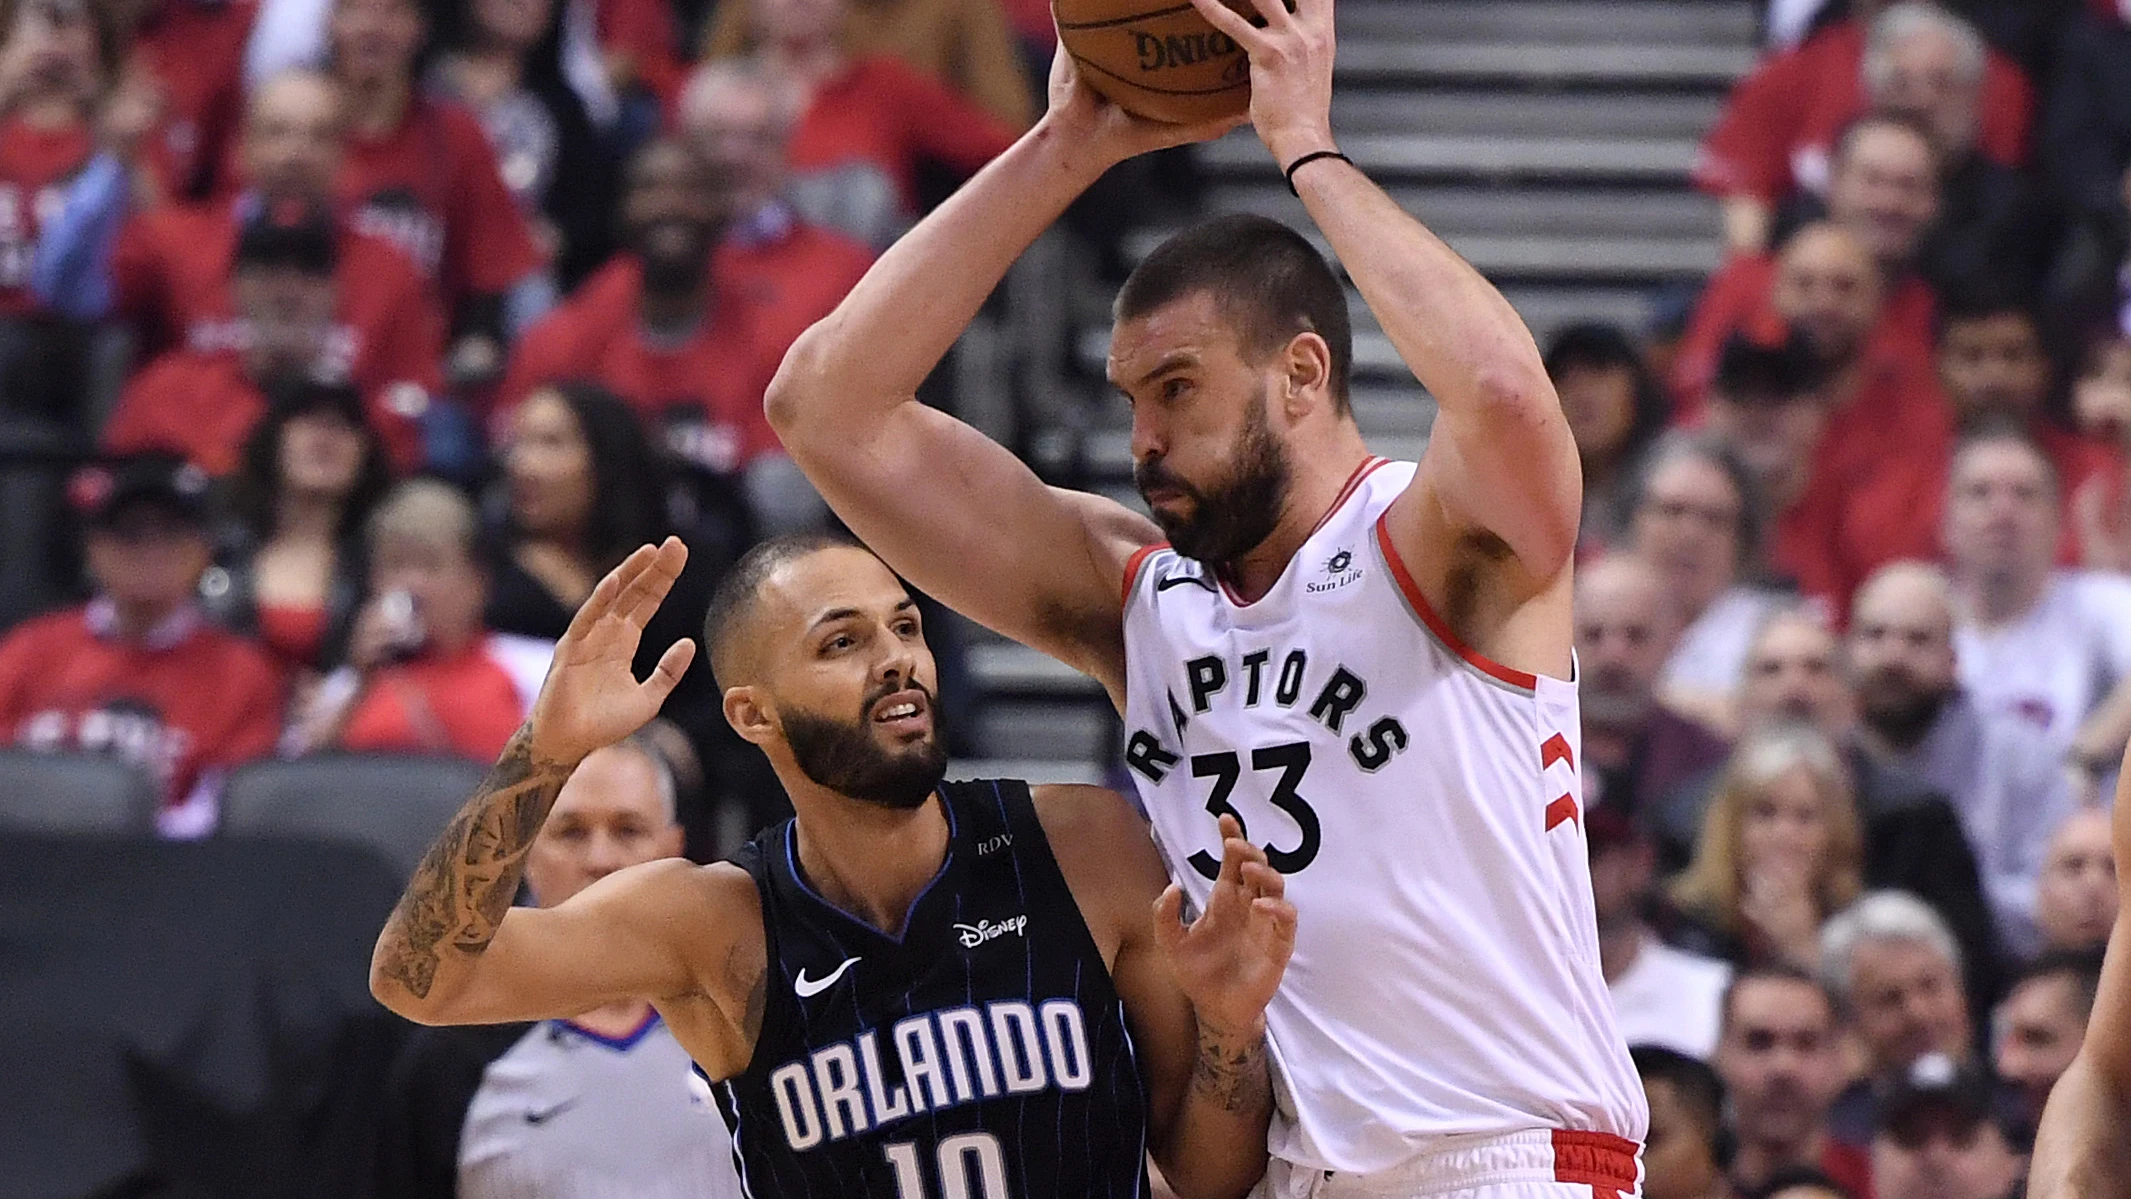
<point x="406" y="993"/>
<point x="799" y="376"/>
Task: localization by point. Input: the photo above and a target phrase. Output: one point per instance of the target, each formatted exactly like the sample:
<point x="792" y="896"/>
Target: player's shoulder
<point x="1099" y="840"/>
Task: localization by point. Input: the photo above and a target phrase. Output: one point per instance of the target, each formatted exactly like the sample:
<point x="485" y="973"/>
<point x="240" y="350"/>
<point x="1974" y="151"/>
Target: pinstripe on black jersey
<point x="982" y="1054"/>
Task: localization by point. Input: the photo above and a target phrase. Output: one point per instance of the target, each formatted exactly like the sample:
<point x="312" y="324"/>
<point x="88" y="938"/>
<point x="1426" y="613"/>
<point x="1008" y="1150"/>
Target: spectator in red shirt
<point x="204" y="402"/>
<point x="138" y="672"/>
<point x="172" y="267"/>
<point x="792" y="271"/>
<point x="1774" y="134"/>
<point x="420" y="172"/>
<point x="423" y="674"/>
<point x="1884" y="191"/>
<point x="658" y="330"/>
<point x="866" y="124"/>
<point x="194" y="50"/>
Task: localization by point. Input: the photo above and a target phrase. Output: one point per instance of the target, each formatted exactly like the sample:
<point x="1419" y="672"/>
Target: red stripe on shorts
<point x="1600" y="1159"/>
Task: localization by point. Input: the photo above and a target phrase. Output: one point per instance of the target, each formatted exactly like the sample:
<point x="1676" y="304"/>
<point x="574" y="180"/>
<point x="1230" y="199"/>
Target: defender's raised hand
<point x="1290" y="71"/>
<point x="1230" y="960"/>
<point x="592" y="697"/>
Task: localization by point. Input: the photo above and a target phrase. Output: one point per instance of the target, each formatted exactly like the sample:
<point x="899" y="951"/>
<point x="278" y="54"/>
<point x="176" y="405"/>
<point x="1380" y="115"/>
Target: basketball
<point x="1158" y="60"/>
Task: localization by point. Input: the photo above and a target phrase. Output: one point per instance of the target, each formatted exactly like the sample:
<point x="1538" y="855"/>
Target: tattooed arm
<point x="456" y="952"/>
<point x="1194" y="996"/>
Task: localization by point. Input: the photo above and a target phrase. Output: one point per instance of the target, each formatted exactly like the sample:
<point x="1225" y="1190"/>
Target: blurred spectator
<point x="1774" y="134"/>
<point x="509" y="61"/>
<point x="2044" y="645"/>
<point x="1941" y="1137"/>
<point x="585" y="489"/>
<point x="1636" y="750"/>
<point x="2076" y="898"/>
<point x="138" y="672"/>
<point x="460" y="1116"/>
<point x="963" y="43"/>
<point x="1994" y="367"/>
<point x="1661" y="995"/>
<point x="2085" y="141"/>
<point x="1796" y="673"/>
<point x="685" y="354"/>
<point x="1780" y="852"/>
<point x="791" y="271"/>
<point x="310" y="473"/>
<point x="285" y="284"/>
<point x="2039" y="1026"/>
<point x="640" y="47"/>
<point x="1696" y="522"/>
<point x="2004" y="778"/>
<point x="423" y="674"/>
<point x="866" y="121"/>
<point x="1866" y="311"/>
<point x="173" y="268"/>
<point x="420" y="172"/>
<point x="1801" y="1182"/>
<point x="1895" y="967"/>
<point x="1615" y="411"/>
<point x="2101" y="395"/>
<point x="1680" y="1154"/>
<point x="1779" y="1056"/>
<point x="193" y="50"/>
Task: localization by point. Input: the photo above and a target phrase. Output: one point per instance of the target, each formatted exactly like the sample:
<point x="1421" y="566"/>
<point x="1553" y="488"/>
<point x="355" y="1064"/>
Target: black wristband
<point x="1306" y="160"/>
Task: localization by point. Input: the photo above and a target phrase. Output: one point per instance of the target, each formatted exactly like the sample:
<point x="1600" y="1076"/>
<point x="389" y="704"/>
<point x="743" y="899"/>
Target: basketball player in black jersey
<point x="914" y="989"/>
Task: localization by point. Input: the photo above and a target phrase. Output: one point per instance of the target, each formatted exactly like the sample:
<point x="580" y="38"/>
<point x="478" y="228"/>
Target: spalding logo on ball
<point x="1165" y="63"/>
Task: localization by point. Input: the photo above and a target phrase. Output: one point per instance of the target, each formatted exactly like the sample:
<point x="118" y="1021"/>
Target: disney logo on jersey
<point x="982" y="931"/>
<point x="1339" y="571"/>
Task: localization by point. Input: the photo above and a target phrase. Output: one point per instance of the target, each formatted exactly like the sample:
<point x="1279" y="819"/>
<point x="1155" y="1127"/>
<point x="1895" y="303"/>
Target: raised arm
<point x="2080" y="1149"/>
<point x="456" y="952"/>
<point x="1500" y="459"/>
<point x="956" y="513"/>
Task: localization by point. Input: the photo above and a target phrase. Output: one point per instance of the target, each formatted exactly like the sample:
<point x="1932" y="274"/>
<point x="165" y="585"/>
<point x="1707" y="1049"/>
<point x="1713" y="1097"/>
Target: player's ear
<point x="1309" y="374"/>
<point x="748" y="716"/>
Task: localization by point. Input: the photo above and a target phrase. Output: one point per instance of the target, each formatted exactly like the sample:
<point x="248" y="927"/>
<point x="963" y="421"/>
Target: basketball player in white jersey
<point x="1366" y="662"/>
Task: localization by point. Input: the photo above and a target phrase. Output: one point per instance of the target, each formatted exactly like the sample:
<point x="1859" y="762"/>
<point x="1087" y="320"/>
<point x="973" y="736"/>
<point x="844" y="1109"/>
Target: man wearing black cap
<point x="1942" y="1137"/>
<point x="137" y="672"/>
<point x="203" y="400"/>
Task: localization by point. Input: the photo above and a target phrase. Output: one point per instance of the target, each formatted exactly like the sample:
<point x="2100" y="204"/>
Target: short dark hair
<point x="1597" y="346"/>
<point x="1982" y="300"/>
<point x="1267" y="278"/>
<point x="1750" y="371"/>
<point x="734" y="601"/>
<point x="1697" y="1085"/>
<point x="1777" y="972"/>
<point x="1790" y="1177"/>
<point x="2080" y="967"/>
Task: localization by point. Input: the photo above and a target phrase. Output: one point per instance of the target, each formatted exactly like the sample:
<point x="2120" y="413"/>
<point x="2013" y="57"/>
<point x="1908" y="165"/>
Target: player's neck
<point x="871" y="861"/>
<point x="1320" y="475"/>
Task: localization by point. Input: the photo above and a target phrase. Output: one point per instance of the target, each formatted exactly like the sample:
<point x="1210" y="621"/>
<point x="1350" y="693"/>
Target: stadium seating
<point x="394" y="804"/>
<point x="74" y="793"/>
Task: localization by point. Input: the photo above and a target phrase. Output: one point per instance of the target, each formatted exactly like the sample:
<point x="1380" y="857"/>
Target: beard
<point x="845" y="756"/>
<point x="1236" y="515"/>
<point x="1897" y="709"/>
<point x="676" y="263"/>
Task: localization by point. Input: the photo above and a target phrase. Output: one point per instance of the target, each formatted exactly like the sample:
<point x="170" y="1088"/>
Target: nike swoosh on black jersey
<point x="807" y="988"/>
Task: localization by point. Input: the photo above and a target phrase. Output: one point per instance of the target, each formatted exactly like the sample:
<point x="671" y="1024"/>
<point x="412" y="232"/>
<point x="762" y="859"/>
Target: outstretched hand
<point x="1290" y="71"/>
<point x="592" y="697"/>
<point x="1230" y="960"/>
<point x="1089" y="119"/>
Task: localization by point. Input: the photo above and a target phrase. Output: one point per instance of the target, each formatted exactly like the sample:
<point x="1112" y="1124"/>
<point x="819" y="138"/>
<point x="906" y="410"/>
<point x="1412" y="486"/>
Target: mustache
<point x="1153" y="474"/>
<point x="874" y="697"/>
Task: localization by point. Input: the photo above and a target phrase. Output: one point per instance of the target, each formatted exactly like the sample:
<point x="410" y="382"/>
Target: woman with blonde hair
<point x="1781" y="850"/>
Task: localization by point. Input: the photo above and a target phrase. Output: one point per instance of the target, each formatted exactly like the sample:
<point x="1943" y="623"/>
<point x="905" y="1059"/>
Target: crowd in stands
<point x="390" y="325"/>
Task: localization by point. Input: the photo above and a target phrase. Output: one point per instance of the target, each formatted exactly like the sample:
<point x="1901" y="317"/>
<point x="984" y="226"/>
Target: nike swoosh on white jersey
<point x="808" y="988"/>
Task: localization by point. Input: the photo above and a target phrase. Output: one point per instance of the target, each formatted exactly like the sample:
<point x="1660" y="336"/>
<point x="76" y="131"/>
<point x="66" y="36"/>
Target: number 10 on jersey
<point x="972" y="1166"/>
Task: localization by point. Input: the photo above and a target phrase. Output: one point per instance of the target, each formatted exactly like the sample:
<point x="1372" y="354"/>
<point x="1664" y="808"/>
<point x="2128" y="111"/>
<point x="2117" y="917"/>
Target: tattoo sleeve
<point x="467" y="880"/>
<point x="1230" y="1071"/>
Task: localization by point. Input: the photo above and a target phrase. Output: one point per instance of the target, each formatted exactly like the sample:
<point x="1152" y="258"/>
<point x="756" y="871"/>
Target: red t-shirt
<point x="1787" y="113"/>
<point x="35" y="166"/>
<point x="171" y="270"/>
<point x="203" y="405"/>
<point x="884" y="115"/>
<point x="1740" y="297"/>
<point x="467" y="704"/>
<point x="432" y="188"/>
<point x="195" y="50"/>
<point x="190" y="699"/>
<point x="793" y="279"/>
<point x="706" y="391"/>
<point x="1849" y="1166"/>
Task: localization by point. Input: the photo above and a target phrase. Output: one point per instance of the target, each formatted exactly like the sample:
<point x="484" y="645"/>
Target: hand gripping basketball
<point x="1230" y="960"/>
<point x="1290" y="71"/>
<point x="591" y="697"/>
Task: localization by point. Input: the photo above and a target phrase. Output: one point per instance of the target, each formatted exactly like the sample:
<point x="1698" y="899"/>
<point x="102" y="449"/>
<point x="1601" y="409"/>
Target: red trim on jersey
<point x="1427" y="613"/>
<point x="1600" y="1160"/>
<point x="1555" y="750"/>
<point x="1561" y="811"/>
<point x="1346" y="492"/>
<point x="1138" y="559"/>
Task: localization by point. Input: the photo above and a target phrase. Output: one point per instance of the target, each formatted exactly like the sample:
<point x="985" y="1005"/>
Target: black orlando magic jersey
<point x="982" y="1055"/>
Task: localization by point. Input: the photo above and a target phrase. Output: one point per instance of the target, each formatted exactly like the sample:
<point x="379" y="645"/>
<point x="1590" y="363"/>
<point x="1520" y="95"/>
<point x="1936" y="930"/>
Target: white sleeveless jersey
<point x="1422" y="802"/>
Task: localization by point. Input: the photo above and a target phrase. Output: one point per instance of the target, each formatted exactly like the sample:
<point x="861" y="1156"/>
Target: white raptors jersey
<point x="1421" y="801"/>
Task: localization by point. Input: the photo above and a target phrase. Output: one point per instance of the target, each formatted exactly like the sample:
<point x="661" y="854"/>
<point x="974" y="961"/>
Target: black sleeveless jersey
<point x="982" y="1055"/>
